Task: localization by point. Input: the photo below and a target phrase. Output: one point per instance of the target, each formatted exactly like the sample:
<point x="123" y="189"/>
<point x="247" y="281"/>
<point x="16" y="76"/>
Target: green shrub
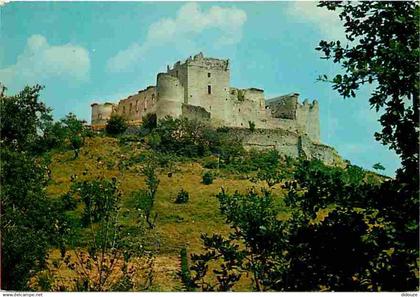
<point x="127" y="139"/>
<point x="76" y="143"/>
<point x="68" y="202"/>
<point x="207" y="178"/>
<point x="144" y="202"/>
<point x="251" y="126"/>
<point x="100" y="198"/>
<point x="182" y="197"/>
<point x="185" y="273"/>
<point x="211" y="162"/>
<point x="149" y="122"/>
<point x="116" y="125"/>
<point x="153" y="140"/>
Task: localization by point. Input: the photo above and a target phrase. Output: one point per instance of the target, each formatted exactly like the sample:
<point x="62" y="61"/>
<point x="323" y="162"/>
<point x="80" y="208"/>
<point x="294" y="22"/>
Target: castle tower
<point x="205" y="82"/>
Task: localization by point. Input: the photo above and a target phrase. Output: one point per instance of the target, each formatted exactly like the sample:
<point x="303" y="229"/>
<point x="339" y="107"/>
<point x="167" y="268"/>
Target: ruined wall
<point x="101" y="113"/>
<point x="284" y="106"/>
<point x="193" y="112"/>
<point x="307" y="117"/>
<point x="304" y="117"/>
<point x="136" y="106"/>
<point x="287" y="143"/>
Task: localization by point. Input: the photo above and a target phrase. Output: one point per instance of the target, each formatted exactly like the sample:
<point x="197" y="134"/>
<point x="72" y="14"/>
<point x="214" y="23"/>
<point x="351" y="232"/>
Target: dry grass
<point x="177" y="225"/>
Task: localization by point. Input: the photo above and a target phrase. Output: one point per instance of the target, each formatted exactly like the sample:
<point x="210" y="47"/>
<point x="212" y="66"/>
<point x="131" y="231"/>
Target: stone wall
<point x="193" y="112"/>
<point x="287" y="143"/>
<point x="305" y="116"/>
<point x="199" y="88"/>
<point x="136" y="106"/>
<point x="101" y="113"/>
<point x="284" y="106"/>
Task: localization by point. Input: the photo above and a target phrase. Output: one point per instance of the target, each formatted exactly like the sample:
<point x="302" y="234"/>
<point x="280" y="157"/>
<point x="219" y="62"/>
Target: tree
<point x="30" y="222"/>
<point x="103" y="264"/>
<point x="23" y="119"/>
<point x="378" y="166"/>
<point x="116" y="125"/>
<point x="336" y="238"/>
<point x="145" y="199"/>
<point x="253" y="247"/>
<point x="383" y="49"/>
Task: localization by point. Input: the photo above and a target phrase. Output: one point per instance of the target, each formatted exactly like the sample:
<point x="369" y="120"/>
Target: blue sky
<point x="86" y="52"/>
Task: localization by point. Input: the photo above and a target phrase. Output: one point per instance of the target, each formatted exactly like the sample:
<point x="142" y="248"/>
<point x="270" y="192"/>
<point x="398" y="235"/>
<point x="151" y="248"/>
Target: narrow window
<point x="177" y="73"/>
<point x="208" y="74"/>
<point x="131" y="106"/>
<point x="209" y="89"/>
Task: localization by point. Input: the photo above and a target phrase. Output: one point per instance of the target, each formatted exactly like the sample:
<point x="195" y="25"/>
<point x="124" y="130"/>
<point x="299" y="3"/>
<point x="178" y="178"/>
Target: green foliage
<point x="387" y="61"/>
<point x="146" y="198"/>
<point x="362" y="244"/>
<point x="185" y="273"/>
<point x="76" y="143"/>
<point x="207" y="178"/>
<point x="24" y="119"/>
<point x="378" y="166"/>
<point x="254" y="223"/>
<point x="211" y="162"/>
<point x="30" y="222"/>
<point x="192" y="138"/>
<point x="99" y="196"/>
<point x="260" y="161"/>
<point x="154" y="140"/>
<point x="104" y="266"/>
<point x="251" y="126"/>
<point x="182" y="197"/>
<point x="116" y="125"/>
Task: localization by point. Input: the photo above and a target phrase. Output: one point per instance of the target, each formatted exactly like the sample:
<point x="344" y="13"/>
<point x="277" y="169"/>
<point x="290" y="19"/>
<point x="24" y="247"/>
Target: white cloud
<point x="327" y="21"/>
<point x="40" y="61"/>
<point x="180" y="33"/>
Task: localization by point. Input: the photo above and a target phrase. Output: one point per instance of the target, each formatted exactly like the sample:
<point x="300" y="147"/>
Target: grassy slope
<point x="177" y="224"/>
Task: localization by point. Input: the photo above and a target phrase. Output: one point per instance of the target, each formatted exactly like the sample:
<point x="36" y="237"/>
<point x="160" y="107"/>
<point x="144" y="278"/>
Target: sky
<point x="85" y="52"/>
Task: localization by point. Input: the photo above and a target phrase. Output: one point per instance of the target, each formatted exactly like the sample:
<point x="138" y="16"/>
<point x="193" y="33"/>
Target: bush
<point x="211" y="162"/>
<point x="116" y="125"/>
<point x="185" y="270"/>
<point x="251" y="126"/>
<point x="182" y="197"/>
<point x="100" y="197"/>
<point x="68" y="202"/>
<point x="207" y="178"/>
<point x="191" y="138"/>
<point x="153" y="140"/>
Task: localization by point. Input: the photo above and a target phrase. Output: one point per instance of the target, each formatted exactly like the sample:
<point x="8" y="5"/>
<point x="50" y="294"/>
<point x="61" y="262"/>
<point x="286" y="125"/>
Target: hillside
<point x="177" y="225"/>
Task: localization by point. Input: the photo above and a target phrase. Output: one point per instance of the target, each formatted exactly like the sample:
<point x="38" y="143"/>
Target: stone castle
<point x="199" y="88"/>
